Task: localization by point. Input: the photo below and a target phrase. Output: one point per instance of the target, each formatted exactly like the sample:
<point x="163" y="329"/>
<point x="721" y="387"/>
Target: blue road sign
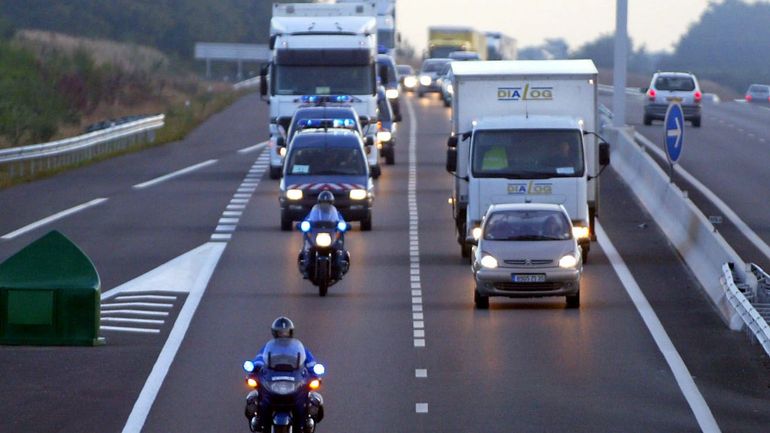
<point x="674" y="124"/>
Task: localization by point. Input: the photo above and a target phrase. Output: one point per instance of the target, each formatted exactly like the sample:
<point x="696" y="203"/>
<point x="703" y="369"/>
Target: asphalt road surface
<point x="404" y="348"/>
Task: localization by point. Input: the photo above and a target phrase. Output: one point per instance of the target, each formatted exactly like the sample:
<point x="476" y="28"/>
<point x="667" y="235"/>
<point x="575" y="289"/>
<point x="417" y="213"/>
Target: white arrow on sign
<point x="676" y="132"/>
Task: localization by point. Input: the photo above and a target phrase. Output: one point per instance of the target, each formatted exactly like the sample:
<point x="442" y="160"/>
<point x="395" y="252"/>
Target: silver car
<point x="526" y="250"/>
<point x="668" y="87"/>
<point x="758" y="93"/>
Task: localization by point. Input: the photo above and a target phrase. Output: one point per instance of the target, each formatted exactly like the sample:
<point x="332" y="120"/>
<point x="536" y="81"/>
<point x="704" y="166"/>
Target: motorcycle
<point x="322" y="240"/>
<point x="283" y="386"/>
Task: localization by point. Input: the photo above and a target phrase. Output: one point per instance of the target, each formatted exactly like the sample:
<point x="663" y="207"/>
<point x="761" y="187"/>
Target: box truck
<point x="524" y="132"/>
<point x="443" y="40"/>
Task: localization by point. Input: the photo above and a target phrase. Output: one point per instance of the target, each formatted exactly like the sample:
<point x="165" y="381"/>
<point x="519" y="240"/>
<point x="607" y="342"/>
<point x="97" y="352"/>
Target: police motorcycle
<point x="286" y="388"/>
<point x="323" y="259"/>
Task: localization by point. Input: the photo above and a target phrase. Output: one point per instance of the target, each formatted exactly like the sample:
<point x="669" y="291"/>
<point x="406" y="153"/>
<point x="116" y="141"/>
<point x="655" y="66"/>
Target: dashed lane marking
<point x="177" y="173"/>
<point x="253" y="148"/>
<point x="52" y="218"/>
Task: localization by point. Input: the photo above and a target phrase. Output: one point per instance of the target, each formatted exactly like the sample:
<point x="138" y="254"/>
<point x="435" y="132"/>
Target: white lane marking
<point x="136" y="304"/>
<point x="236" y="207"/>
<point x="145" y="297"/>
<point x="419" y="342"/>
<point x="418" y="333"/>
<point x="421" y="407"/>
<point x="228" y="213"/>
<point x="239" y="195"/>
<point x="225" y="228"/>
<point x="54" y="217"/>
<point x="127" y="329"/>
<point x="131" y="320"/>
<point x="229" y="220"/>
<point x="418" y="316"/>
<point x="136" y="313"/>
<point x="744" y="228"/>
<point x="683" y="378"/>
<point x="421" y="373"/>
<point x="253" y="148"/>
<point x="177" y="173"/>
<point x="151" y="387"/>
<point x="221" y="237"/>
<point x="239" y="201"/>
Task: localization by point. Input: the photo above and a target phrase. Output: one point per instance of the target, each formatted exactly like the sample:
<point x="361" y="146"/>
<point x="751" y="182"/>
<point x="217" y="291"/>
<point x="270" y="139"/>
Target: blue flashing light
<point x="304" y="226"/>
<point x="342" y="226"/>
<point x="248" y="366"/>
<point x="310" y="99"/>
<point x="343" y="98"/>
<point x="343" y="123"/>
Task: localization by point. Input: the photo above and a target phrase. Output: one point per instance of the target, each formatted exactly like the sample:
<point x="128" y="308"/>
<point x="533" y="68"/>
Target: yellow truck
<point x="442" y="40"/>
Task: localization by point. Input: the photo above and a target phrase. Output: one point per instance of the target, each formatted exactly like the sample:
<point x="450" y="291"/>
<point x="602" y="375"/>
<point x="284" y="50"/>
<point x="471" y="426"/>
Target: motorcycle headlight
<point x="304" y="226"/>
<point x="384" y="136"/>
<point x="248" y="366"/>
<point x="282" y="387"/>
<point x="391" y="93"/>
<point x="580" y="232"/>
<point x="357" y="194"/>
<point x="323" y="240"/>
<point x="489" y="262"/>
<point x="568" y="262"/>
<point x="294" y="194"/>
<point x="425" y="80"/>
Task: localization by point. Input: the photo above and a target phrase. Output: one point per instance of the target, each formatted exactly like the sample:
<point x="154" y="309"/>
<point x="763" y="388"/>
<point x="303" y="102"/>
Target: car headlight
<point x="580" y="232"/>
<point x="282" y="152"/>
<point x="391" y="93"/>
<point x="450" y="89"/>
<point x="568" y="262"/>
<point x="323" y="240"/>
<point x="357" y="194"/>
<point x="476" y="233"/>
<point x="294" y="194"/>
<point x="384" y="136"/>
<point x="410" y="81"/>
<point x="425" y="80"/>
<point x="489" y="262"/>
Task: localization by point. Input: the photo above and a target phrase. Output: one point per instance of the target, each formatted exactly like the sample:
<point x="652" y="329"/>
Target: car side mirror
<point x="451" y="159"/>
<point x="369" y="141"/>
<point x="604" y="153"/>
<point x="451" y="141"/>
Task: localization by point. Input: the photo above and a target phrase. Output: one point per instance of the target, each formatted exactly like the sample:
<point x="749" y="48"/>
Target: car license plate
<point x="528" y="278"/>
<point x="674" y="99"/>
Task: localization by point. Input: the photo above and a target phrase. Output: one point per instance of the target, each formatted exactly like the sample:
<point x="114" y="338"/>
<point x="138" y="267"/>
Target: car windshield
<point x="675" y="84"/>
<point x="527" y="225"/>
<point x="433" y="66"/>
<point x="326" y="161"/>
<point x="327" y="80"/>
<point x="527" y="154"/>
<point x="759" y="89"/>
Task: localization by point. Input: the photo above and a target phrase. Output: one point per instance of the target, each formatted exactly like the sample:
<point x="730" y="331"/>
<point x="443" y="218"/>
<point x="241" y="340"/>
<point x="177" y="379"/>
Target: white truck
<point x="321" y="50"/>
<point x="524" y="131"/>
<point x="387" y="36"/>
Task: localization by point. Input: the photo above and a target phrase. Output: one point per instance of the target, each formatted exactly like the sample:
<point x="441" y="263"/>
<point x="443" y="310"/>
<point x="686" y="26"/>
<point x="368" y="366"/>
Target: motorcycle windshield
<point x="285" y="354"/>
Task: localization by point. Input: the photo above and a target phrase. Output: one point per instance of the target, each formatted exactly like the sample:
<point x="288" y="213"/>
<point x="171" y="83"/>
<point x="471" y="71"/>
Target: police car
<point x="326" y="158"/>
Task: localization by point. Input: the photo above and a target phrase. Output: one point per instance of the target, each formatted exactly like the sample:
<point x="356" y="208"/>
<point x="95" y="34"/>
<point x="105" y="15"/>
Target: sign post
<point x="674" y="137"/>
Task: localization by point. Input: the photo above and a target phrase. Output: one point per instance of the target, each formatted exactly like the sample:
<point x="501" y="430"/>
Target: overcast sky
<point x="658" y="24"/>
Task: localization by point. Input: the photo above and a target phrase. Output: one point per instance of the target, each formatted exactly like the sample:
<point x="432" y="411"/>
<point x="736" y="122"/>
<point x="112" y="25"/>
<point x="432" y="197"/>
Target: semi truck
<point x="442" y="40"/>
<point x="500" y="46"/>
<point x="319" y="49"/>
<point x="524" y="132"/>
<point x="387" y="36"/>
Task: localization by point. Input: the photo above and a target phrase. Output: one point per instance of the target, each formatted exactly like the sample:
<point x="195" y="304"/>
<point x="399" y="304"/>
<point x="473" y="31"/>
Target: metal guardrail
<point x="24" y="161"/>
<point x="754" y="321"/>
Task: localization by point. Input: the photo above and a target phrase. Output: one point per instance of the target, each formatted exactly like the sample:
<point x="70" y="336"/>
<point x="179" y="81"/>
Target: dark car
<point x="386" y="128"/>
<point x="428" y="75"/>
<point x="326" y="160"/>
<point x="386" y="71"/>
<point x="758" y="93"/>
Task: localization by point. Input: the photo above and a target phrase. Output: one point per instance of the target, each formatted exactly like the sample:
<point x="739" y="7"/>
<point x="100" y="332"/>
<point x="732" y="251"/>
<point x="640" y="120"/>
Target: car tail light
<point x="698" y="96"/>
<point x="651" y="94"/>
<point x="748" y="98"/>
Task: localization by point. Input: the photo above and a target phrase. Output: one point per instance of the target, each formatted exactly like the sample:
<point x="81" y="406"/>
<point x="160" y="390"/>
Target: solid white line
<point x="52" y="218"/>
<point x="253" y="148"/>
<point x="146" y="297"/>
<point x="137" y="304"/>
<point x="127" y="329"/>
<point x="744" y="228"/>
<point x="136" y="312"/>
<point x="160" y="179"/>
<point x="129" y="320"/>
<point x="683" y="378"/>
<point x="151" y="387"/>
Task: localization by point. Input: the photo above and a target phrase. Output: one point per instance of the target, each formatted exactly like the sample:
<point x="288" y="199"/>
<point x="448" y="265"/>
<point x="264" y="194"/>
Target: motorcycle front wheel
<point x="323" y="280"/>
<point x="281" y="429"/>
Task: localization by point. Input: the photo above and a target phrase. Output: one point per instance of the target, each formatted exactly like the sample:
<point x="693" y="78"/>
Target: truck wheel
<point x="481" y="302"/>
<point x="366" y="223"/>
<point x="647" y="120"/>
<point x="286" y="223"/>
<point x="275" y="172"/>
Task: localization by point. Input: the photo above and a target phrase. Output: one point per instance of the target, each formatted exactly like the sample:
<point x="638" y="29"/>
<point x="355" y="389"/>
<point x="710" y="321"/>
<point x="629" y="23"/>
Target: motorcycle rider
<point x="324" y="210"/>
<point x="257" y="410"/>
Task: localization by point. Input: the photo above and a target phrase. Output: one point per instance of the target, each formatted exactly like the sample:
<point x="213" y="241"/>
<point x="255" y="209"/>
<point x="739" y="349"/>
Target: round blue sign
<point x="674" y="124"/>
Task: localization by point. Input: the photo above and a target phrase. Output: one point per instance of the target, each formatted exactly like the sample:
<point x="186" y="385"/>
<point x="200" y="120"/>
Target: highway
<point x="404" y="348"/>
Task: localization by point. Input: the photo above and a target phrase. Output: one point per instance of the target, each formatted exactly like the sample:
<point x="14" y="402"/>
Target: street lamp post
<point x="621" y="59"/>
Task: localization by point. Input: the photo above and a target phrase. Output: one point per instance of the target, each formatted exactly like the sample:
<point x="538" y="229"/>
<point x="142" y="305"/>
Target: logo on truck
<point x="526" y="93"/>
<point x="530" y="188"/>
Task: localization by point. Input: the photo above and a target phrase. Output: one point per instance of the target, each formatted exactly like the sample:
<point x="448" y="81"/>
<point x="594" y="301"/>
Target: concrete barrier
<point x="703" y="248"/>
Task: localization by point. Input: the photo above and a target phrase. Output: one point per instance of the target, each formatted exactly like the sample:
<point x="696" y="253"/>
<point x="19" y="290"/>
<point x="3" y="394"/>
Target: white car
<point x="526" y="250"/>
